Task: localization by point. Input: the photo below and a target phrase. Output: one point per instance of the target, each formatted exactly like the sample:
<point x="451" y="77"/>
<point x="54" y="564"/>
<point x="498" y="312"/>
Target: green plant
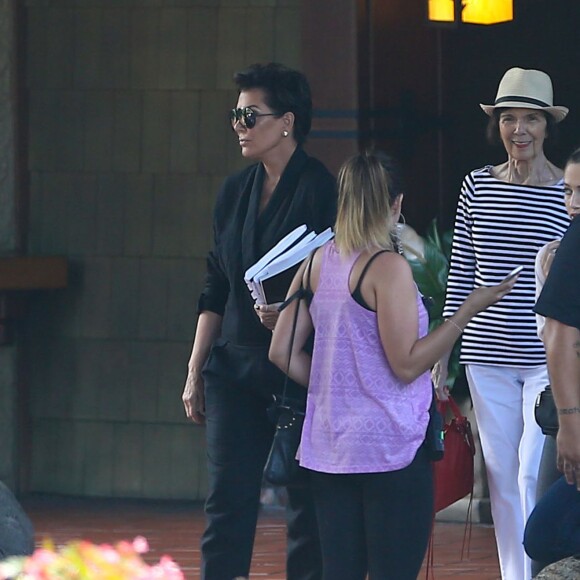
<point x="429" y="258"/>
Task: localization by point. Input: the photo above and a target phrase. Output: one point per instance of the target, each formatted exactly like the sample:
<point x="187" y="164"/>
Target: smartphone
<point x="512" y="274"/>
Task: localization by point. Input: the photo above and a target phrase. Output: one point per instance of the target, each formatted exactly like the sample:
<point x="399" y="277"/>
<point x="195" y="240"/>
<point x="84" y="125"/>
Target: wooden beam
<point x="33" y="272"/>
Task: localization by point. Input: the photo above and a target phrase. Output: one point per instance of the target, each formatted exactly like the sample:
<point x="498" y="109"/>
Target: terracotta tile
<point x="174" y="528"/>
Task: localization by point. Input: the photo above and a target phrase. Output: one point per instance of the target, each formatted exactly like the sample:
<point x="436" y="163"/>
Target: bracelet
<point x="454" y="324"/>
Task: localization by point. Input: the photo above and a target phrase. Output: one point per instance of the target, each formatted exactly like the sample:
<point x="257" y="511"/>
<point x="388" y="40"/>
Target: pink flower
<point x="140" y="545"/>
<point x="167" y="569"/>
<point x="39" y="561"/>
<point x="83" y="560"/>
<point x="109" y="554"/>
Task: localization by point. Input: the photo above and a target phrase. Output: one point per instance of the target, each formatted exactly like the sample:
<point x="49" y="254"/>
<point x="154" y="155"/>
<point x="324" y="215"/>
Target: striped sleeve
<point x="499" y="226"/>
<point x="461" y="275"/>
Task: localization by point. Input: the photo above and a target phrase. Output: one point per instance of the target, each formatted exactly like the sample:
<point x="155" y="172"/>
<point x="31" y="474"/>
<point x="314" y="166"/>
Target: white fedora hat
<point x="526" y="89"/>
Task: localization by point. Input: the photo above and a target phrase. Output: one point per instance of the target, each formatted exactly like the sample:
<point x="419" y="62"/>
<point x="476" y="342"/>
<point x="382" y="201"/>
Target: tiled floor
<point x="174" y="528"/>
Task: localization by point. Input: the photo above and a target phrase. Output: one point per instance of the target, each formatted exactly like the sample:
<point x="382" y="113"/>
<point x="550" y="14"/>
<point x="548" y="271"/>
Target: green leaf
<point x="446" y="242"/>
<point x="430" y="275"/>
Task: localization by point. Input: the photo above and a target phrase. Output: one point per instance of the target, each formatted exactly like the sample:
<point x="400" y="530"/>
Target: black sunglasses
<point x="247" y="117"/>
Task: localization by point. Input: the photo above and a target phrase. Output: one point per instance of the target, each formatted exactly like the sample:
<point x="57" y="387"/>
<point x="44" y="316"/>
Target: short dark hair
<point x="574" y="157"/>
<point x="492" y="131"/>
<point x="286" y="91"/>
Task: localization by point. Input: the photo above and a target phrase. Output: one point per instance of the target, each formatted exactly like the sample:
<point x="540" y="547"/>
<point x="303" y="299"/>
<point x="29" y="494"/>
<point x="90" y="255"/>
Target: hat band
<point x="527" y="100"/>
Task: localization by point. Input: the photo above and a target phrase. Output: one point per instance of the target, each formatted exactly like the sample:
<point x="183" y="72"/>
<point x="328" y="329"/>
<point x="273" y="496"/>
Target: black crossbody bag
<point x="545" y="412"/>
<point x="282" y="467"/>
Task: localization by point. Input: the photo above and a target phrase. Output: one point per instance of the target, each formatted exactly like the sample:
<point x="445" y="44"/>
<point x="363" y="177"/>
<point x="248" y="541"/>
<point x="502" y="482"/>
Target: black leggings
<point x="375" y="523"/>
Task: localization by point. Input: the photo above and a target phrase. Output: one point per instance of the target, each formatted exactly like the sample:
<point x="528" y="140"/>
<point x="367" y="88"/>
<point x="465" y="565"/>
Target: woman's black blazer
<point x="305" y="194"/>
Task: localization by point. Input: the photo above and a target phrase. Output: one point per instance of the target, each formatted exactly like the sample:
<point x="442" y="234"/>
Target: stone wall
<point x="128" y="143"/>
<point x="7" y="128"/>
<point x="8" y="235"/>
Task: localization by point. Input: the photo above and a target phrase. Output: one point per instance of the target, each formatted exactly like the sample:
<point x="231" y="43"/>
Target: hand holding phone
<point x="512" y="274"/>
<point x="485" y="296"/>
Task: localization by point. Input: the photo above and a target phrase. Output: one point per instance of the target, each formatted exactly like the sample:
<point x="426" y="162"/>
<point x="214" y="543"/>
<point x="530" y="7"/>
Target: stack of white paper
<point x="288" y="252"/>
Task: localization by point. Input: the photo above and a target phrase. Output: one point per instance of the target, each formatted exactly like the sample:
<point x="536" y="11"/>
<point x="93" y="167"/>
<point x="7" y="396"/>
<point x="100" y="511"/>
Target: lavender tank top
<point x="360" y="418"/>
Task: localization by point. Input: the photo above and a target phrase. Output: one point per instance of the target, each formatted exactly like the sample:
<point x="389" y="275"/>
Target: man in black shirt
<point x="559" y="302"/>
<point x="553" y="528"/>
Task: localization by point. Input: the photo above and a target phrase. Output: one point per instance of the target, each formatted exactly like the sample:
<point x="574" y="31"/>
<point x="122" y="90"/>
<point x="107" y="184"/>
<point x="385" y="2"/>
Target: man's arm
<point x="563" y="350"/>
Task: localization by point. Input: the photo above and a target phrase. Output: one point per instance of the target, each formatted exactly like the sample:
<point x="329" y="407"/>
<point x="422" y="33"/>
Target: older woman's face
<point x="522" y="132"/>
<point x="572" y="189"/>
<point x="266" y="134"/>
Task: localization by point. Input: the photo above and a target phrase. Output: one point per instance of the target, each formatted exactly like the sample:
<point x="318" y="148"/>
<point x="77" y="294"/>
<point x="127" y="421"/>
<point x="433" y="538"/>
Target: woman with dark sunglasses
<point x="230" y="382"/>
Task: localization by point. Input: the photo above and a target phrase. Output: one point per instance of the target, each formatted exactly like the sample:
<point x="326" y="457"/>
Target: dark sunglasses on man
<point x="247" y="117"/>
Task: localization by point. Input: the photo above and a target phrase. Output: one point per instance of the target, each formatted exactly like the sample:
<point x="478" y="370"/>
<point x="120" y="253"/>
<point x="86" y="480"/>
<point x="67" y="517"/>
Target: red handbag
<point x="453" y="475"/>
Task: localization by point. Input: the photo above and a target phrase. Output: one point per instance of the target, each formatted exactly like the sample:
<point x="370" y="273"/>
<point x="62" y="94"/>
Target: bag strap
<point x="298" y="295"/>
<point x="302" y="292"/>
<point x="454" y="408"/>
<point x="450" y="404"/>
<point x="292" y="335"/>
<point x="460" y="420"/>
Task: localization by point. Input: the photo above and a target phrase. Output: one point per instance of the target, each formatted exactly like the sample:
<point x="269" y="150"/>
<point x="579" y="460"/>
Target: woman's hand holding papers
<point x="268" y="314"/>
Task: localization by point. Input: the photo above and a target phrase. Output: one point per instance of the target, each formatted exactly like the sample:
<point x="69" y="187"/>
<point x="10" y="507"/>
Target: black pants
<point x="547" y="475"/>
<point x="375" y="522"/>
<point x="239" y="384"/>
<point x="553" y="528"/>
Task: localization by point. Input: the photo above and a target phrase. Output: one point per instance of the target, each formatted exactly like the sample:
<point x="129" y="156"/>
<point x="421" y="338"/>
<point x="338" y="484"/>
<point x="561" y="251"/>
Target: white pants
<point x="503" y="401"/>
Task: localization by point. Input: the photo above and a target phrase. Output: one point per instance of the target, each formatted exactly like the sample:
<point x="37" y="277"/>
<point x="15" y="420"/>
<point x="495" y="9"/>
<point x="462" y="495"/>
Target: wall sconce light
<point x="470" y="11"/>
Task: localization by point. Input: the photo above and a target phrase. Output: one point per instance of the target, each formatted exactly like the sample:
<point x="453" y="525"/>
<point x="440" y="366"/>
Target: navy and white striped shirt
<point x="499" y="226"/>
